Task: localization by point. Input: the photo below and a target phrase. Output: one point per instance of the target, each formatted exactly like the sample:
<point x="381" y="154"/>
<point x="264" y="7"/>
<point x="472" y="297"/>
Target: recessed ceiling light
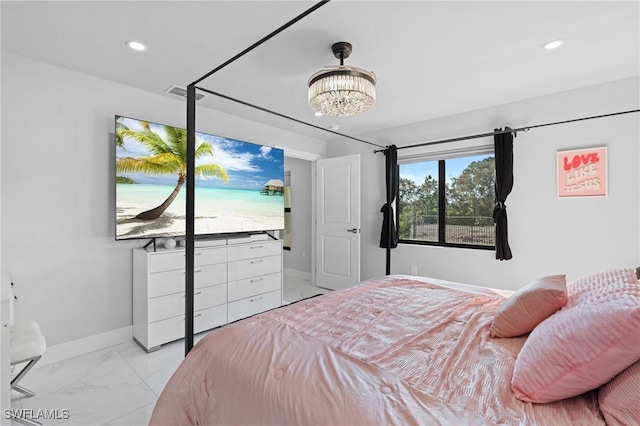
<point x="136" y="45"/>
<point x="318" y="114"/>
<point x="553" y="44"/>
<point x="334" y="127"/>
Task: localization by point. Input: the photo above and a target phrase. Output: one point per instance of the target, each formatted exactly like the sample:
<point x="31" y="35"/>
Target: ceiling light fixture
<point x="341" y="91"/>
<point x="136" y="45"/>
<point x="553" y="44"/>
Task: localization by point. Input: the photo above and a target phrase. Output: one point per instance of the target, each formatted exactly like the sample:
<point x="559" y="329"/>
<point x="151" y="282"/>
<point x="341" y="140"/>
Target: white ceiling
<point x="432" y="58"/>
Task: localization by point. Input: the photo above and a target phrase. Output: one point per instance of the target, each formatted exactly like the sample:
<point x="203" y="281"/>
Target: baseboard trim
<point x="86" y="345"/>
<point x="296" y="273"/>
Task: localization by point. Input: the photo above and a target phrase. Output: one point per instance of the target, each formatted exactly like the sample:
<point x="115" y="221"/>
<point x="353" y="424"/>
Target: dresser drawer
<point x="207" y="297"/>
<point x="170" y="260"/>
<point x="168" y="282"/>
<point x="166" y="261"/>
<point x="167" y="306"/>
<point x="167" y="330"/>
<point x="250" y="251"/>
<point x="171" y="329"/>
<point x="210" y="256"/>
<point x="252" y="286"/>
<point x="206" y="319"/>
<point x="164" y="307"/>
<point x="208" y="275"/>
<point x="252" y="305"/>
<point x="249" y="268"/>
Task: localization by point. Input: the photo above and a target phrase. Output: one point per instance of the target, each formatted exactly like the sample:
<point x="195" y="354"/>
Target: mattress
<point x="392" y="350"/>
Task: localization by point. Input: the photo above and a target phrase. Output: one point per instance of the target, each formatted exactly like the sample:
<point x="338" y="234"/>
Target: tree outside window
<point x="448" y="202"/>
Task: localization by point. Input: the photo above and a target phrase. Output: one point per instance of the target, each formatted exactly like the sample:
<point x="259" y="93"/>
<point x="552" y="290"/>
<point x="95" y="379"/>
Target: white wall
<point x="299" y="257"/>
<point x="2" y="400"/>
<point x="547" y="235"/>
<point x="58" y="193"/>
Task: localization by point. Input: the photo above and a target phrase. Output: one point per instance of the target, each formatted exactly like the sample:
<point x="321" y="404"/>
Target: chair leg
<point x="21" y="374"/>
<point x="24" y="391"/>
<point x="24" y="421"/>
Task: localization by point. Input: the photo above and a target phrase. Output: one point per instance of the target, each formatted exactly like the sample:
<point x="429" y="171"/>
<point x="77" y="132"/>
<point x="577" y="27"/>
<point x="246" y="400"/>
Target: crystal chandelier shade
<point x="341" y="91"/>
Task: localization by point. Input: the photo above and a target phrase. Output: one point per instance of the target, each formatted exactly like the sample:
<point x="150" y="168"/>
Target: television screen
<point x="239" y="186"/>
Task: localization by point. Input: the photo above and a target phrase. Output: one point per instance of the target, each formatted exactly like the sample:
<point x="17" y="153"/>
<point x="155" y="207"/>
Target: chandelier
<point x="340" y="91"/>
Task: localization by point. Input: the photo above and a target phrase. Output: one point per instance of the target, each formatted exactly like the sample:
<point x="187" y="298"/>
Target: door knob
<point x="354" y="230"/>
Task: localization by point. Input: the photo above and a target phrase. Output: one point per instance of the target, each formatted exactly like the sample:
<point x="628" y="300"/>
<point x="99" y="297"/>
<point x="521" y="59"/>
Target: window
<point x="447" y="202"/>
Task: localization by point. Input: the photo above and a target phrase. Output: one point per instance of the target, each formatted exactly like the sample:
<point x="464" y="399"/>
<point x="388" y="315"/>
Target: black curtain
<point x="389" y="234"/>
<point x="503" y="145"/>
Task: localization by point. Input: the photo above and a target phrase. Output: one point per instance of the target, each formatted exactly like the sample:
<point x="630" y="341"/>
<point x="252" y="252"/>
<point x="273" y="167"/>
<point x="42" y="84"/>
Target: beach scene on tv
<point x="239" y="186"/>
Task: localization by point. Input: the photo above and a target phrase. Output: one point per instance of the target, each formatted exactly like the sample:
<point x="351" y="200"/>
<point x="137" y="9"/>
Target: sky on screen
<point x="248" y="165"/>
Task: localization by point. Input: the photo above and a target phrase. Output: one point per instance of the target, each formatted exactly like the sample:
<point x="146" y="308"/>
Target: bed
<point x="393" y="350"/>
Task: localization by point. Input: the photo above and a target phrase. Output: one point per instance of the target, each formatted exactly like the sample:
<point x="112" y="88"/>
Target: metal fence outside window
<point x="475" y="230"/>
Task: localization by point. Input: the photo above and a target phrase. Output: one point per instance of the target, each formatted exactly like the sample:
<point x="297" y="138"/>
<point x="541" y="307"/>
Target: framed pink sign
<point x="582" y="172"/>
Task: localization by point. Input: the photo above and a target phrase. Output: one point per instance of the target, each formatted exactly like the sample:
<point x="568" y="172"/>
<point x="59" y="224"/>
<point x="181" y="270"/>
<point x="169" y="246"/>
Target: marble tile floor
<point x="295" y="289"/>
<point x="118" y="385"/>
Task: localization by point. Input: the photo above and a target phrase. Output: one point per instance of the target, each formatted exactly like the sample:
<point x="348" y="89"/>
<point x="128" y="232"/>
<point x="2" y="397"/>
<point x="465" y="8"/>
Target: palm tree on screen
<point x="119" y="128"/>
<point x="166" y="158"/>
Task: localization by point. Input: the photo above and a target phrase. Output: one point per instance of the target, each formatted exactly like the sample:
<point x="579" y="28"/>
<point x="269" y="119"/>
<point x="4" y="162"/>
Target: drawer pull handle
<point x="256" y="247"/>
<point x="255" y="299"/>
<point x="257" y="261"/>
<point x="256" y="280"/>
<point x="195" y="316"/>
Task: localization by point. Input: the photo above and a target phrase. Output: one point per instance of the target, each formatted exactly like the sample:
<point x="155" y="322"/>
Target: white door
<point x="338" y="222"/>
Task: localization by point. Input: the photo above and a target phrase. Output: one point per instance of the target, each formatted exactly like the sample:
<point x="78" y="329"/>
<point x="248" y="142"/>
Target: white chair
<point x="27" y="347"/>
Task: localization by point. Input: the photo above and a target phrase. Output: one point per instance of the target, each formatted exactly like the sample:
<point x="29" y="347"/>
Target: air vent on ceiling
<point x="181" y="92"/>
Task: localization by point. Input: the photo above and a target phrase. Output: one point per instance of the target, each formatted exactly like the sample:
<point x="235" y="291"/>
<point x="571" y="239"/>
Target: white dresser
<point x="233" y="279"/>
<point x="254" y="272"/>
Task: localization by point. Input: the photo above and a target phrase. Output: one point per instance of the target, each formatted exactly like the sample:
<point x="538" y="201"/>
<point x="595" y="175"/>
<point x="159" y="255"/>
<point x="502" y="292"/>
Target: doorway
<point x="298" y="235"/>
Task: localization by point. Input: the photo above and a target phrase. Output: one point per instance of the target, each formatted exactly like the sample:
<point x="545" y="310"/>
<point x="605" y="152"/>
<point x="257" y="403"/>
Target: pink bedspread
<point x="389" y="351"/>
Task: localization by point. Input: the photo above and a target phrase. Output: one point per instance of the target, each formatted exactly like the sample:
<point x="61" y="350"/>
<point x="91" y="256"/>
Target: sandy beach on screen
<point x="217" y="211"/>
<point x="173" y="223"/>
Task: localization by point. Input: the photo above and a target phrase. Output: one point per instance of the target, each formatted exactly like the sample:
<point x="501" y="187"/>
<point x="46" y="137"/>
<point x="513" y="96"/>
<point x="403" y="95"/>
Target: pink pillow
<point x="592" y="338"/>
<point x="619" y="399"/>
<point x="529" y="306"/>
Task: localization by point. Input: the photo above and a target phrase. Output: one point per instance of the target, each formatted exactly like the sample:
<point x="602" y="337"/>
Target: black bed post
<point x="190" y="231"/>
<point x="191" y="148"/>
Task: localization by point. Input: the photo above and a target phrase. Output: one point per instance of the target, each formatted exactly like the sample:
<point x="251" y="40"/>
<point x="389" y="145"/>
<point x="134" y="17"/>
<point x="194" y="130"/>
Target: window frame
<point x="441" y="206"/>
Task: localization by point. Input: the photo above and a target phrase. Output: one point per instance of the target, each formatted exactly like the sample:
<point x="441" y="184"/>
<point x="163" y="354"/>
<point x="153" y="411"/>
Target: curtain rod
<point x="262" y="40"/>
<point x="284" y="116"/>
<point x="500" y="132"/>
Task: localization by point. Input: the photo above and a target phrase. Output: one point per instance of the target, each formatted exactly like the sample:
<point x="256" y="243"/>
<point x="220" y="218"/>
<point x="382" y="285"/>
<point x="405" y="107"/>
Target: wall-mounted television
<point x="239" y="185"/>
